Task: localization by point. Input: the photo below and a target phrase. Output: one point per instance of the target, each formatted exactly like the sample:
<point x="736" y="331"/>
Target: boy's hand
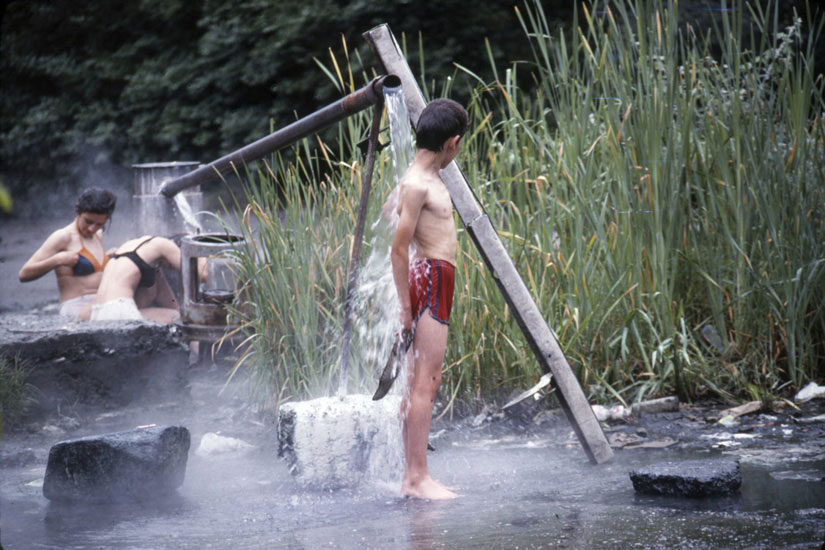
<point x="407" y="337"/>
<point x="406" y="321"/>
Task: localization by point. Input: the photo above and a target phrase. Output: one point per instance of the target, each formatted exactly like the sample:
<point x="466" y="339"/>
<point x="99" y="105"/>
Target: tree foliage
<point x="95" y="85"/>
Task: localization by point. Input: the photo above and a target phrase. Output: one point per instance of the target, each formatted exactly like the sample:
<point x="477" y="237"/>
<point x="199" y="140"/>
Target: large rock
<point x="136" y="464"/>
<point x="336" y="442"/>
<point x="82" y="364"/>
<point x="690" y="478"/>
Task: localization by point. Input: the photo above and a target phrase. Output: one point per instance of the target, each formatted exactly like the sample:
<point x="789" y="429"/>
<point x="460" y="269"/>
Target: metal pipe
<point x="349" y="105"/>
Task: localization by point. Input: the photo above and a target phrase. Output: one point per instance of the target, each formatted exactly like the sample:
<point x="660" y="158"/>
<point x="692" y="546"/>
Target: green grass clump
<point x="662" y="200"/>
<point x="15" y="393"/>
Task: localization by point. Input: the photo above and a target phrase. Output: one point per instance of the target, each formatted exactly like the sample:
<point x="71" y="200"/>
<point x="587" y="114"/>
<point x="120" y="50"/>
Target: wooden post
<point x="481" y="230"/>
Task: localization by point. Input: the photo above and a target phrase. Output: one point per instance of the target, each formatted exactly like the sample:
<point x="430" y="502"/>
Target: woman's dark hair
<point x="440" y="120"/>
<point x="96" y="201"/>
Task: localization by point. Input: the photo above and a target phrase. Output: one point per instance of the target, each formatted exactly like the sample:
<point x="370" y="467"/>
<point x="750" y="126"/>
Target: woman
<point x="76" y="254"/>
<point x="133" y="286"/>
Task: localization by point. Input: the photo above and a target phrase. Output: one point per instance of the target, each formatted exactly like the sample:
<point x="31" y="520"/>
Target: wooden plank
<point x="484" y="236"/>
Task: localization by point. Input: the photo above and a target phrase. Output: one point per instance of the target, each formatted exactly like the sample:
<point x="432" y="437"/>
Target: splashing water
<point x="377" y="307"/>
<point x="186" y="213"/>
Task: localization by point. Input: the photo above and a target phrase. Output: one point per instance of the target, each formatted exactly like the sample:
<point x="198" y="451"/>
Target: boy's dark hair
<point x="440" y="120"/>
<point x="96" y="201"/>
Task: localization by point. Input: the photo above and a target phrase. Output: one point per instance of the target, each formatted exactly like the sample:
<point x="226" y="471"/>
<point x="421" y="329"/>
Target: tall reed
<point x="663" y="205"/>
<point x="662" y="201"/>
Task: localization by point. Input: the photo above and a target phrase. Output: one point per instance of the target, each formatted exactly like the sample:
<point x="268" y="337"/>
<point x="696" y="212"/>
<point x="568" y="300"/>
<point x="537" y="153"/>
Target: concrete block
<point x="335" y="442"/>
<point x="81" y="364"/>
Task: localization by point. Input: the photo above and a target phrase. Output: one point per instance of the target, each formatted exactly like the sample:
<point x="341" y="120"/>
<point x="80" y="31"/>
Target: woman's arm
<point x="51" y="254"/>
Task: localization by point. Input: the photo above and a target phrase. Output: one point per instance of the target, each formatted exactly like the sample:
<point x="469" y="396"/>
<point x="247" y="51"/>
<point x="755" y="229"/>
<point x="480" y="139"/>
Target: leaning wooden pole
<point x="481" y="230"/>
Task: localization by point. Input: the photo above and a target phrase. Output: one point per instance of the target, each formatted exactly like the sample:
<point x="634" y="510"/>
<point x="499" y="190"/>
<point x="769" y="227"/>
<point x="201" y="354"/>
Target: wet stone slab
<point x="141" y="463"/>
<point x="72" y="363"/>
<point x="45" y="337"/>
<point x="690" y="478"/>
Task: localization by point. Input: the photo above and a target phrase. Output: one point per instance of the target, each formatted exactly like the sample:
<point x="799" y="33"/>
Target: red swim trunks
<point x="431" y="287"/>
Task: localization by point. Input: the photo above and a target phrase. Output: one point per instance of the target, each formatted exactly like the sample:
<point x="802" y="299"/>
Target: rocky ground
<point x="793" y="430"/>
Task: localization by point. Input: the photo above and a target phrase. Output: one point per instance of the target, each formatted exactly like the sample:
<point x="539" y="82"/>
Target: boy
<point x="76" y="254"/>
<point x="425" y="281"/>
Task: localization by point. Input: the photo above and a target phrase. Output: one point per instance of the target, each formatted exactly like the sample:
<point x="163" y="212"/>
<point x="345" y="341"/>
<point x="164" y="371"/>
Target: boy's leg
<point x="427" y="356"/>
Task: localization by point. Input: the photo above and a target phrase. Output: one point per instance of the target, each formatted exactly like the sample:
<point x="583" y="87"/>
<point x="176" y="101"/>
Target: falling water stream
<point x="400" y="131"/>
<point x="377" y="308"/>
<point x="324" y="454"/>
<point x="186" y="212"/>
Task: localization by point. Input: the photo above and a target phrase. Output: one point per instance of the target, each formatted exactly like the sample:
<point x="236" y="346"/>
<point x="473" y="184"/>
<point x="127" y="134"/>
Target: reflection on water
<point x="420" y="524"/>
<point x="73" y="524"/>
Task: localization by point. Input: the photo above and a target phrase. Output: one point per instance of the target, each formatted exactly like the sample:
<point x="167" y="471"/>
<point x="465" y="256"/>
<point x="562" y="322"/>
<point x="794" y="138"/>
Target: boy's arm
<point x="411" y="201"/>
<point x="51" y="254"/>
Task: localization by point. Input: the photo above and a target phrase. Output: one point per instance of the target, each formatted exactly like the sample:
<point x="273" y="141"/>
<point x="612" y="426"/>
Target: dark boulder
<point x="140" y="463"/>
<point x="691" y="478"/>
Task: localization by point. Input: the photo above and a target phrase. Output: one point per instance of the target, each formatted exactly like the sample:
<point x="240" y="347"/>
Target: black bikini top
<point x="147" y="272"/>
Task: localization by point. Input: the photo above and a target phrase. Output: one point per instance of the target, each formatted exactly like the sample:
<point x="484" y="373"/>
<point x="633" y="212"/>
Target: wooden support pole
<point x="481" y="231"/>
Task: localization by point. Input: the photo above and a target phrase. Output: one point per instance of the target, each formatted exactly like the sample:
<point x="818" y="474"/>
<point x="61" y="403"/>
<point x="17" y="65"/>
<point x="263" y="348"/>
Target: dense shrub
<point x="90" y="87"/>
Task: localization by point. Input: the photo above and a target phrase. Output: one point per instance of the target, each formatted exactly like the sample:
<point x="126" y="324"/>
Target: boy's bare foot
<point x="428" y="489"/>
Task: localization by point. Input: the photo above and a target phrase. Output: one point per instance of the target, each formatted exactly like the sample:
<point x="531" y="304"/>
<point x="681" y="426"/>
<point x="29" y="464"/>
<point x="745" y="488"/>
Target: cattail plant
<point x="658" y="186"/>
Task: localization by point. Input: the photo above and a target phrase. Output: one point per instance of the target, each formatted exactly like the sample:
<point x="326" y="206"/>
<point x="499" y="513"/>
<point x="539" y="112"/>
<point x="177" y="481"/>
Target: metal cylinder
<point x="204" y="305"/>
<point x="156" y="214"/>
<point x="344" y="107"/>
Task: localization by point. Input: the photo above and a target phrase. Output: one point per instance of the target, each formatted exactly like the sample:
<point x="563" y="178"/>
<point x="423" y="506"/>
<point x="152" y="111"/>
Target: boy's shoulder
<point x="419" y="179"/>
<point x="419" y="189"/>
